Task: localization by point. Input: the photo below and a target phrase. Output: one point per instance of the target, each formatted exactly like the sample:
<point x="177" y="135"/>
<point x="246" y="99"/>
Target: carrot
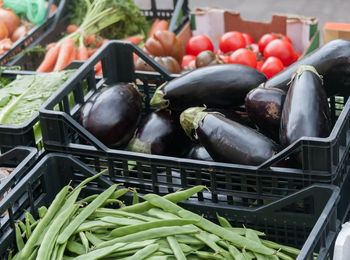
<point x="50" y="59"/>
<point x="156" y="26"/>
<point x="99" y="72"/>
<point x="105" y="41"/>
<point x="82" y="53"/>
<point x="51" y="45"/>
<point x="98" y="66"/>
<point x="134" y="39"/>
<point x="91" y="51"/>
<point x="65" y="54"/>
<point x="72" y="28"/>
<point x="95" y="40"/>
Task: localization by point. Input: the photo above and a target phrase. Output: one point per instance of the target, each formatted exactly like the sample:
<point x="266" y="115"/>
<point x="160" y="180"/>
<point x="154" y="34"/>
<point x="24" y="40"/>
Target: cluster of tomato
<point x="270" y="55"/>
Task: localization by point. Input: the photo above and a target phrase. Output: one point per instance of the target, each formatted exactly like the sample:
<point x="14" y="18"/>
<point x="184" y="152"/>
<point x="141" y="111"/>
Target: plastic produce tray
<point x="325" y="160"/>
<point x="313" y="228"/>
<point x="179" y="15"/>
<point x="34" y="34"/>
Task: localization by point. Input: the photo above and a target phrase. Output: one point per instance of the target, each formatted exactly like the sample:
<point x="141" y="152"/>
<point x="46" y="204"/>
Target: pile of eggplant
<point x="227" y="113"/>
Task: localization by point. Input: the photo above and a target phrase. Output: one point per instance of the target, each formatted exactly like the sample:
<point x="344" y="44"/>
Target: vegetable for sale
<point x="198" y="152"/>
<point x="305" y="111"/>
<point x="214" y="86"/>
<point x="160" y="133"/>
<point x="198" y="43"/>
<point x="169" y="63"/>
<point x="231" y="41"/>
<point x="226" y="140"/>
<point x="112" y="113"/>
<point x="243" y="56"/>
<point x="207" y="58"/>
<point x="331" y="61"/>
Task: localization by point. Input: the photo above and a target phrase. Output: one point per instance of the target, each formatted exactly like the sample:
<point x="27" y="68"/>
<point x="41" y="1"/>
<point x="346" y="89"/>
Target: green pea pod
<point x="19" y="239"/>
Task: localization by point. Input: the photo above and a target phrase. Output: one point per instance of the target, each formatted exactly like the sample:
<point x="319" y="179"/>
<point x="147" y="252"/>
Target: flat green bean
<point x="223" y="221"/>
<point x="241" y="231"/>
<point x="235" y="253"/>
<point x="121" y="221"/>
<point x="87" y="180"/>
<point x="175" y="247"/>
<point x="22" y="226"/>
<point x="30" y="217"/>
<point x="28" y="229"/>
<point x="99" y="253"/>
<point x="75" y="247"/>
<point x="60" y="252"/>
<point x="54" y="252"/>
<point x="250" y="234"/>
<point x="119" y="212"/>
<point x="33" y="254"/>
<point x="207" y="255"/>
<point x="287" y="249"/>
<point x="118" y="193"/>
<point x="79" y="219"/>
<point x="85" y="241"/>
<point x="42" y="211"/>
<point x="93" y="239"/>
<point x="19" y="239"/>
<point x="93" y="224"/>
<point x="89" y="198"/>
<point x="284" y="256"/>
<point x="189" y="240"/>
<point x="205" y="238"/>
<point x="159" y="213"/>
<point x="145" y="252"/>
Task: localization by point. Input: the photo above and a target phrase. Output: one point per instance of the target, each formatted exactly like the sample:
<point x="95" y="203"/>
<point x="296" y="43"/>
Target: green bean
<point x="190" y="240"/>
<point x="119" y="212"/>
<point x="48" y="242"/>
<point x="159" y="213"/>
<point x="54" y="252"/>
<point x="241" y="231"/>
<point x="145" y="252"/>
<point x="150" y="234"/>
<point x="30" y="217"/>
<point x="60" y="252"/>
<point x="248" y="256"/>
<point x="99" y="253"/>
<point x="118" y="254"/>
<point x="28" y="229"/>
<point x="33" y="254"/>
<point x="173" y="197"/>
<point x="273" y="257"/>
<point x="85" y="241"/>
<point x="22" y="226"/>
<point x="131" y="248"/>
<point x="287" y="249"/>
<point x="179" y="254"/>
<point x="9" y="256"/>
<point x="75" y="247"/>
<point x="235" y="253"/>
<point x="19" y="239"/>
<point x="123" y="231"/>
<point x="89" y="198"/>
<point x="118" y="193"/>
<point x="93" y="224"/>
<point x="204" y="237"/>
<point x="135" y="197"/>
<point x="65" y="257"/>
<point x="284" y="256"/>
<point x="87" y="180"/>
<point x="42" y="211"/>
<point x="254" y="237"/>
<point x="223" y="221"/>
<point x="79" y="219"/>
<point x="55" y="205"/>
<point x="207" y="255"/>
<point x="111" y="201"/>
<point x="117" y="221"/>
<point x="93" y="239"/>
<point x="207" y="225"/>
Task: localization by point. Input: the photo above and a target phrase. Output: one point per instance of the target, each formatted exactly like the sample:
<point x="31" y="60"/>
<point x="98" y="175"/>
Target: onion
<point x="19" y="33"/>
<point x="10" y="19"/>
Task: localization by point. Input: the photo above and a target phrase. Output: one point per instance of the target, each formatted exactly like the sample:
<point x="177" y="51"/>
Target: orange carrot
<point x="160" y="25"/>
<point x="73" y="57"/>
<point x="98" y="66"/>
<point x="50" y="59"/>
<point x="99" y="72"/>
<point x="72" y="28"/>
<point x="95" y="40"/>
<point x="65" y="54"/>
<point x="82" y="53"/>
<point x="51" y="45"/>
<point x="134" y="39"/>
<point x="154" y="24"/>
<point x="91" y="51"/>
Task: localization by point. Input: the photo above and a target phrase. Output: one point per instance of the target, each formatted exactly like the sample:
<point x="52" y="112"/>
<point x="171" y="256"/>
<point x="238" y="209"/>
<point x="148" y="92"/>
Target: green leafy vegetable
<point x="21" y="98"/>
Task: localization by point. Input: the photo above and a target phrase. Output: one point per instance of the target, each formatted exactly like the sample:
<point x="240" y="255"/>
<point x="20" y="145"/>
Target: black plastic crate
<point x="34" y="34"/>
<point x="179" y="15"/>
<point x="325" y="160"/>
<point x="313" y="228"/>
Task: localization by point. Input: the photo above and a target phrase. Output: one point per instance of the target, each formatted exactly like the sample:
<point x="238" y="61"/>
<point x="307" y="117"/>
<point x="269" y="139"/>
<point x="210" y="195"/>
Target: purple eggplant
<point x="160" y="133"/>
<point x="198" y="152"/>
<point x="226" y="140"/>
<point x="112" y="114"/>
<point x="216" y="86"/>
<point x="305" y="111"/>
<point x="264" y="107"/>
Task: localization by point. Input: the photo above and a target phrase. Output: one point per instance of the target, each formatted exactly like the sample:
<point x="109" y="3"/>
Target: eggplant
<point x="332" y="61"/>
<point x="234" y="115"/>
<point x="218" y="86"/>
<point x="226" y="140"/>
<point x="161" y="134"/>
<point x="113" y="113"/>
<point x="305" y="111"/>
<point x="198" y="152"/>
<point x="264" y="107"/>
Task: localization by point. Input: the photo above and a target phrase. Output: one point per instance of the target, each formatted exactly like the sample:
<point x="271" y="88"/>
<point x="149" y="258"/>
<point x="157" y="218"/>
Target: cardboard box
<point x="332" y="31"/>
<point x="214" y="22"/>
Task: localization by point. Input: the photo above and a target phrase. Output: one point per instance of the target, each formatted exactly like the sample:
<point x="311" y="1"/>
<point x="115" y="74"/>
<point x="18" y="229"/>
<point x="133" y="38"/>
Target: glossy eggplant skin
<point x="112" y="114"/>
<point x="332" y="61"/>
<point x="231" y="142"/>
<point x="264" y="107"/>
<point x="305" y="111"/>
<point x="234" y="115"/>
<point x="160" y="133"/>
<point x="198" y="152"/>
<point x="217" y="86"/>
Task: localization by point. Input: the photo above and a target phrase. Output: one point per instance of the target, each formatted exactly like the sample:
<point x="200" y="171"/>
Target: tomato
<point x="254" y="48"/>
<point x="192" y="64"/>
<point x="187" y="59"/>
<point x="225" y="58"/>
<point x="266" y="39"/>
<point x="259" y="64"/>
<point x="248" y="38"/>
<point x="219" y="52"/>
<point x="231" y="41"/>
<point x="197" y="44"/>
<point x="298" y="55"/>
<point x="281" y="49"/>
<point x="284" y="37"/>
<point x="272" y="66"/>
<point x="244" y="56"/>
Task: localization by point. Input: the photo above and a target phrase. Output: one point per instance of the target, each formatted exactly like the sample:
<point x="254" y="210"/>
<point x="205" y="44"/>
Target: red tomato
<point x="244" y="56"/>
<point x="192" y="64"/>
<point x="219" y="52"/>
<point x="197" y="44"/>
<point x="284" y="37"/>
<point x="231" y="41"/>
<point x="187" y="59"/>
<point x="266" y="39"/>
<point x="225" y="58"/>
<point x="259" y="64"/>
<point x="253" y="47"/>
<point x="272" y="66"/>
<point x="298" y="55"/>
<point x="281" y="49"/>
<point x="248" y="38"/>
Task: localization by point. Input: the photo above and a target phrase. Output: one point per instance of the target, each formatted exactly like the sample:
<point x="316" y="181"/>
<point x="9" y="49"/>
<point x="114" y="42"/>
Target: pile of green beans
<point x="155" y="229"/>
